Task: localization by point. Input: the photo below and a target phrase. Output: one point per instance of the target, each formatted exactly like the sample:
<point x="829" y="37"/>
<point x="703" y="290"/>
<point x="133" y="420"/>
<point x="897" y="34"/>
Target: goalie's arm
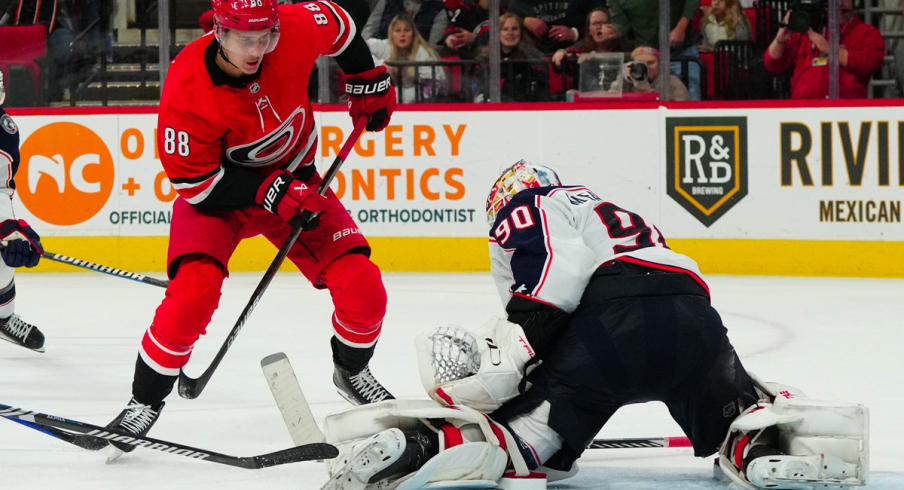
<point x="542" y="323"/>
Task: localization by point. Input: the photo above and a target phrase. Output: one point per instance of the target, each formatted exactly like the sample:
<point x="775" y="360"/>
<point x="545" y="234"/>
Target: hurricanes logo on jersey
<point x="706" y="159"/>
<point x="66" y="173"/>
<point x="274" y="146"/>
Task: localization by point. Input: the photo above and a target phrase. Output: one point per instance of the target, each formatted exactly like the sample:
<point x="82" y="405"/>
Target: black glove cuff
<point x="275" y="191"/>
<point x="377" y="86"/>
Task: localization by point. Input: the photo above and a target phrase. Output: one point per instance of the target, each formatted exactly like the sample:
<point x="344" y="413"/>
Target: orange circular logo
<point x="66" y="173"/>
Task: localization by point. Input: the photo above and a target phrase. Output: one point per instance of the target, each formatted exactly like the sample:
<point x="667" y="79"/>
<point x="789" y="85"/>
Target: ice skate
<point x="802" y="472"/>
<point x="356" y="466"/>
<point x="360" y="388"/>
<point x="20" y="332"/>
<point x="136" y="418"/>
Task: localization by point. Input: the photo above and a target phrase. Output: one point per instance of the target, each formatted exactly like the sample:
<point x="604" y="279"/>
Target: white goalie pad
<point x="478" y="462"/>
<point x="478" y="369"/>
<point x="826" y="443"/>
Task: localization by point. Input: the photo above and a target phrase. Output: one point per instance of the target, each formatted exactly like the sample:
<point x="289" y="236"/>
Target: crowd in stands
<point x="542" y="42"/>
<point x="73" y="38"/>
<point x="438" y="50"/>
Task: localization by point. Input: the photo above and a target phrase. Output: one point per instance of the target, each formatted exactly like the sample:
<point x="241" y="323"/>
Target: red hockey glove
<point x="371" y="95"/>
<point x="288" y="197"/>
<point x="21" y="245"/>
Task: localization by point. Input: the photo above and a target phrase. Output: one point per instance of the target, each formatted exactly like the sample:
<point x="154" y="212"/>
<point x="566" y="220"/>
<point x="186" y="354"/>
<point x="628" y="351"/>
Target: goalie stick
<point x="59" y="428"/>
<point x="304" y="430"/>
<point x="291" y="400"/>
<point x="192" y="387"/>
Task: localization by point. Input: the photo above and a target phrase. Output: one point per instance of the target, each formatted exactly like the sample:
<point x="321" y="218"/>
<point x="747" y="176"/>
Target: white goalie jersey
<point x="547" y="242"/>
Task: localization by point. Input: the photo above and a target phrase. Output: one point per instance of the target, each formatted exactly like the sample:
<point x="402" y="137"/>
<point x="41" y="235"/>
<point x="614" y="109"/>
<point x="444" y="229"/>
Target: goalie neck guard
<point x="514" y="179"/>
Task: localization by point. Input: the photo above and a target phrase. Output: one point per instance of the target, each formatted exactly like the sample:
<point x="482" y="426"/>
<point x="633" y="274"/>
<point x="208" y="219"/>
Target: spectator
<point x="651" y="82"/>
<point x="521" y="81"/>
<point x="899" y="65"/>
<point x="638" y="22"/>
<point x="467" y="20"/>
<point x="429" y="17"/>
<point x="404" y="43"/>
<point x="861" y="53"/>
<point x="62" y="26"/>
<point x="554" y="25"/>
<point x="725" y="21"/>
<point x="599" y="39"/>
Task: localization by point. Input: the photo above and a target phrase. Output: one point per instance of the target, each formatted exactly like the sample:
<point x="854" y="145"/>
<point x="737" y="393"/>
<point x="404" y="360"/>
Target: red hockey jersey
<point x="217" y="131"/>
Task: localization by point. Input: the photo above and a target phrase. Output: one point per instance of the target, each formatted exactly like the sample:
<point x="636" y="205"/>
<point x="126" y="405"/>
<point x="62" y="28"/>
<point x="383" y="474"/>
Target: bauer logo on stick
<point x="706" y="160"/>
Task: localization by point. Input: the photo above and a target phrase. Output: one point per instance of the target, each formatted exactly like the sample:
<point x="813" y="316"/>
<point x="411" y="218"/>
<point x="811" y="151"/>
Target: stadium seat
<point x="24" y="49"/>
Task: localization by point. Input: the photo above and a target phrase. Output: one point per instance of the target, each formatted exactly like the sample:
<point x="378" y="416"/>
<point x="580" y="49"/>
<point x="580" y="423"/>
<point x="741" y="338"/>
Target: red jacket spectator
<point x="865" y="52"/>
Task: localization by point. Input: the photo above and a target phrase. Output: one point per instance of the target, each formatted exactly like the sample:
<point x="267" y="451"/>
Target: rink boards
<point x="789" y="190"/>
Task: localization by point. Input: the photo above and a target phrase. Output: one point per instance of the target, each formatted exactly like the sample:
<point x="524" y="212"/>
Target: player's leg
<point x="200" y="245"/>
<point x="13" y="328"/>
<point x="334" y="256"/>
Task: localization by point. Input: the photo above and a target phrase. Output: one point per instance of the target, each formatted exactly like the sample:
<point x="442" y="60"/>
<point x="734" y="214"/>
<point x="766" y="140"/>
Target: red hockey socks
<point x="359" y="298"/>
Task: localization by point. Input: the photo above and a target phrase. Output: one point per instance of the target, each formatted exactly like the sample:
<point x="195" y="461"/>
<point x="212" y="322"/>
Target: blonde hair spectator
<point x="725" y="21"/>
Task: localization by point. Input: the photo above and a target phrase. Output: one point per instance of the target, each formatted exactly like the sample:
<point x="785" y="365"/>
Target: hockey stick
<point x="291" y="400"/>
<point x="304" y="430"/>
<point x="640" y="443"/>
<point x="55" y="426"/>
<point x="91" y="266"/>
<point x="192" y="387"/>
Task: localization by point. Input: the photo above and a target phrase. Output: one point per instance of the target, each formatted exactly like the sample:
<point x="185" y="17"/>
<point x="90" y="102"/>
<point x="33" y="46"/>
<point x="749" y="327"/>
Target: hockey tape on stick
<point x="192" y="387"/>
<point x="91" y="266"/>
<point x="291" y="400"/>
<point x="639" y="443"/>
<point x="55" y="426"/>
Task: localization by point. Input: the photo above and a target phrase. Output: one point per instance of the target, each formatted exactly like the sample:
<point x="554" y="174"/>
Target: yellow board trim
<point x="449" y="254"/>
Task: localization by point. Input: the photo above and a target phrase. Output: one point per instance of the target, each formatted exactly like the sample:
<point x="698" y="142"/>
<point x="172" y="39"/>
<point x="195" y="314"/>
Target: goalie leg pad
<point x="802" y="472"/>
<point x="469" y="465"/>
<point x="802" y="429"/>
<point x="358" y="463"/>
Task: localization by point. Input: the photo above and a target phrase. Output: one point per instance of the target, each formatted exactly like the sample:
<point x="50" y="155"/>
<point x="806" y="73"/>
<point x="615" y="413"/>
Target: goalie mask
<point x="246" y="26"/>
<point x="514" y="179"/>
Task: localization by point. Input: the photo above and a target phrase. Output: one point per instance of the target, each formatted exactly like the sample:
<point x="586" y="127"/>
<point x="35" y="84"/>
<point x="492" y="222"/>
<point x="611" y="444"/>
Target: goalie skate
<point x="364" y="460"/>
<point x="818" y="471"/>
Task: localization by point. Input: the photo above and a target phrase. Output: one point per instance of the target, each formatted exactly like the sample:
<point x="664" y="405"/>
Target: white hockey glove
<point x="480" y="370"/>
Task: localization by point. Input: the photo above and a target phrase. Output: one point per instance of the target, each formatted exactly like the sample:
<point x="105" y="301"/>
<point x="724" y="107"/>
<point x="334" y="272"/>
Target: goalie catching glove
<point x="371" y="95"/>
<point x="287" y="197"/>
<point x="480" y="370"/>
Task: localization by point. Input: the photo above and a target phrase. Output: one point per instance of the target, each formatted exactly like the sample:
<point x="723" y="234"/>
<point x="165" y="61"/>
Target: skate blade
<point x="12" y="340"/>
<point x="114" y="454"/>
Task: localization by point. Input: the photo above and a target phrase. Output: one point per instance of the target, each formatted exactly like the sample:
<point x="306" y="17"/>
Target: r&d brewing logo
<point x="706" y="162"/>
<point x="66" y="173"/>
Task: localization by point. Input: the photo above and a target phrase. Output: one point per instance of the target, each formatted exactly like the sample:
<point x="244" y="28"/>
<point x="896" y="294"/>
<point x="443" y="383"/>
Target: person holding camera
<point x="641" y="74"/>
<point x="801" y="43"/>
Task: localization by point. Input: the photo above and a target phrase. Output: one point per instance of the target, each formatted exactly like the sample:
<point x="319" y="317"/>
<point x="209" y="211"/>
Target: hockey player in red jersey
<point x="616" y="317"/>
<point x="237" y="139"/>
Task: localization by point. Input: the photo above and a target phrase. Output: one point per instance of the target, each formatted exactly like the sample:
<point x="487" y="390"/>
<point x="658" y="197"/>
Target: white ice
<point x="834" y="338"/>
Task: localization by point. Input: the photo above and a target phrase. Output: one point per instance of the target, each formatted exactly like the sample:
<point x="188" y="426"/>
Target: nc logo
<point x="55" y="168"/>
<point x="67" y="174"/>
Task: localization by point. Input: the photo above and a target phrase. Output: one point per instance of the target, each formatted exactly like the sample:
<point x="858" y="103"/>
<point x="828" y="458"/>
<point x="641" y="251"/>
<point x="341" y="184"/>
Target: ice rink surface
<point x="836" y="339"/>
